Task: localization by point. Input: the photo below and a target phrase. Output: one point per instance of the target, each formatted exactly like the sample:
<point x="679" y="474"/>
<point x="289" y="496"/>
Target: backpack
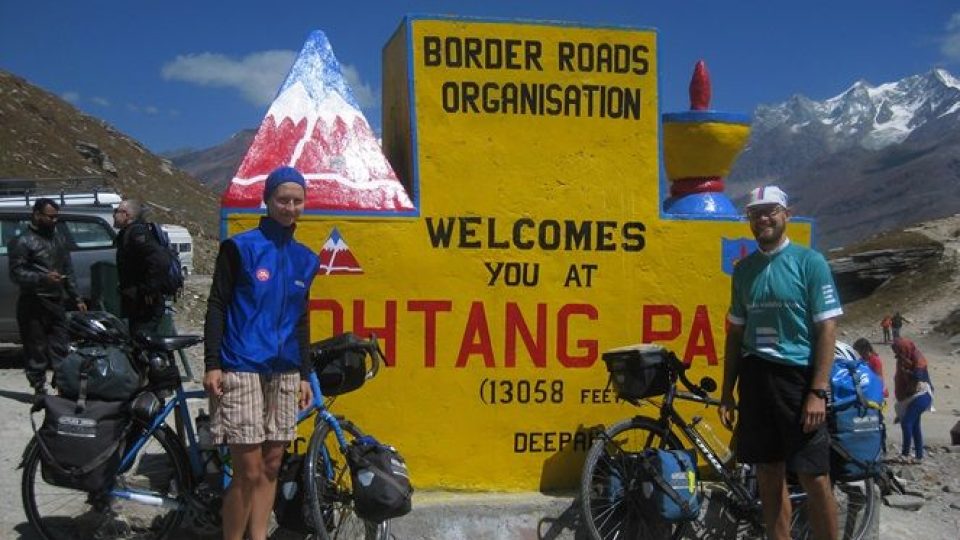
<point x="669" y="483"/>
<point x="855" y="420"/>
<point x="169" y="282"/>
<point x="81" y="446"/>
<point x="381" y="483"/>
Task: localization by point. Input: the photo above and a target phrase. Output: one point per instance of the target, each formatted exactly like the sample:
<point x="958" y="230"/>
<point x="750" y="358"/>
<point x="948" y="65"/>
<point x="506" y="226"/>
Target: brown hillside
<point x="43" y="136"/>
<point x="928" y="293"/>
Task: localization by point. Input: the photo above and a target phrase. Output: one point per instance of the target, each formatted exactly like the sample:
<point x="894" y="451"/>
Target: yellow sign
<point x="532" y="153"/>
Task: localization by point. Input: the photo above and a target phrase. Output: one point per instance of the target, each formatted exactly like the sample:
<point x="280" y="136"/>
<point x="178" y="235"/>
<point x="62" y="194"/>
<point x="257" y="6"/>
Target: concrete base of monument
<point x="535" y="516"/>
<point x="479" y="516"/>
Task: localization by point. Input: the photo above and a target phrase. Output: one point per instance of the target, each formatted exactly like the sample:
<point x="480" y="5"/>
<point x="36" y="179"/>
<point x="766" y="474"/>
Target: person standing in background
<point x="914" y="393"/>
<point x="141" y="262"/>
<point x="885" y="327"/>
<point x="896" y="323"/>
<point x="40" y="264"/>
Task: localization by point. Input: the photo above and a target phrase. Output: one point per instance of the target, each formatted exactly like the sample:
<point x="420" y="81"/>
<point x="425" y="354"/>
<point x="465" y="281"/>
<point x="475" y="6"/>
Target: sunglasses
<point x="769" y="211"/>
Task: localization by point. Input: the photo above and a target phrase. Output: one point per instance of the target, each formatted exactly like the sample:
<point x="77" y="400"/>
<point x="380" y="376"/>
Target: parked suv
<point x="89" y="237"/>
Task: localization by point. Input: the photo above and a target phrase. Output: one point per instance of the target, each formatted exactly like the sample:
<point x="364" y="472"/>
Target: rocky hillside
<point x="915" y="271"/>
<point x="42" y="136"/>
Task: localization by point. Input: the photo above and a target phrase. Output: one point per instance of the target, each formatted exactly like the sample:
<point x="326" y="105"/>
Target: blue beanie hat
<point x="282" y="175"/>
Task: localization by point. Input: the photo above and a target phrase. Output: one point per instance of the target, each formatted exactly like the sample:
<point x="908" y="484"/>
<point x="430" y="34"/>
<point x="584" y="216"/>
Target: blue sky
<point x="178" y="74"/>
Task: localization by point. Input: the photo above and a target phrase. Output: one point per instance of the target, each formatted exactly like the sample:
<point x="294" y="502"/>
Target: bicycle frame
<point x="179" y="404"/>
<point x="669" y="417"/>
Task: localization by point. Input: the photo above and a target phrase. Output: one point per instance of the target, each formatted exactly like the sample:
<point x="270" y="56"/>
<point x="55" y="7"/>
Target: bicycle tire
<point x="329" y="499"/>
<point x="160" y="468"/>
<point x="608" y="510"/>
<point x="857" y="503"/>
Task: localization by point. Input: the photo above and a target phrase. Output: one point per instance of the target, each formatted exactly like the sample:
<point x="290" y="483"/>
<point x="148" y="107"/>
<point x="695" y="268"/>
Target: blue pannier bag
<point x="855" y="418"/>
<point x="669" y="483"/>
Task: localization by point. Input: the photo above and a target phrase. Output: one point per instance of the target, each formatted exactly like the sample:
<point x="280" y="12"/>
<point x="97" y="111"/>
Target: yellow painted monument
<point x="521" y="227"/>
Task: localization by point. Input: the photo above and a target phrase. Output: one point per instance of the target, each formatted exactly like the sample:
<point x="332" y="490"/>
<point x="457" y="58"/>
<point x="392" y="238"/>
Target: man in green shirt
<point x="782" y="328"/>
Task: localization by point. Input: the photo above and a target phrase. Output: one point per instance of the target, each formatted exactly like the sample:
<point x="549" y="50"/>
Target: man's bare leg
<point x="822" y="505"/>
<point x="774" y="499"/>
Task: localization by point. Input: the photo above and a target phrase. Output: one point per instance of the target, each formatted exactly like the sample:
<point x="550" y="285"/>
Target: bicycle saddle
<point x="168" y="343"/>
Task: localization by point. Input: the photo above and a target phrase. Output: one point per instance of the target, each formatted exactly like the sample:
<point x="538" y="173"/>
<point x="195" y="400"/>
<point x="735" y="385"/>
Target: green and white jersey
<point x="777" y="297"/>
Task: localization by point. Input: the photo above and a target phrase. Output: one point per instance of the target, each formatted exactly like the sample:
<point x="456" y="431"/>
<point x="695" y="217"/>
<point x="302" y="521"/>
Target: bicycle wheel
<point x="329" y="489"/>
<point x="611" y="506"/>
<point x="158" y="470"/>
<point x="856" y="511"/>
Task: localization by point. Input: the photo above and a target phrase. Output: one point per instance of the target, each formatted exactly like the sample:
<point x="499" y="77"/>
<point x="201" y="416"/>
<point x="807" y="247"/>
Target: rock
<point x="904" y="502"/>
<point x="858" y="275"/>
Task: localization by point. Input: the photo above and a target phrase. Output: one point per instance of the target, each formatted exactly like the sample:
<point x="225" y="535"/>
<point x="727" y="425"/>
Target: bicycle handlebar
<point x="376" y="355"/>
<point x="681" y="371"/>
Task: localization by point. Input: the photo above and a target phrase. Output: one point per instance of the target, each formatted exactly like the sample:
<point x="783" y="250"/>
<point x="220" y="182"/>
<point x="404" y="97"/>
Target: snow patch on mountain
<point x="872" y="117"/>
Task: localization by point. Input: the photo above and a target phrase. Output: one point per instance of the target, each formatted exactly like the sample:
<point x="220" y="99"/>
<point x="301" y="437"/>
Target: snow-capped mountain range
<point x="871" y="116"/>
<point x="857" y="161"/>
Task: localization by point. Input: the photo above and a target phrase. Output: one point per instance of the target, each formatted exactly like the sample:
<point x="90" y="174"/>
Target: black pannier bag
<point x="288" y="506"/>
<point x="381" y="483"/>
<point x="81" y="447"/>
<point x="638" y="371"/>
<point x="109" y="374"/>
<point x="340" y="363"/>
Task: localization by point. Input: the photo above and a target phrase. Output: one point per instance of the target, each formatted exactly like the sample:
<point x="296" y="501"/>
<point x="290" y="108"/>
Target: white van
<point x="181" y="241"/>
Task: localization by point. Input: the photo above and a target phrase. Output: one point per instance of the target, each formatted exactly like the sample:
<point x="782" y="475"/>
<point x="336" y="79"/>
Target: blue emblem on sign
<point x="734" y="249"/>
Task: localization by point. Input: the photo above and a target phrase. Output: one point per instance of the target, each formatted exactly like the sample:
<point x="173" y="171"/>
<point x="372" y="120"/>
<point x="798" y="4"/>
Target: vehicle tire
<point x="159" y="469"/>
<point x="610" y="508"/>
<point x="329" y="489"/>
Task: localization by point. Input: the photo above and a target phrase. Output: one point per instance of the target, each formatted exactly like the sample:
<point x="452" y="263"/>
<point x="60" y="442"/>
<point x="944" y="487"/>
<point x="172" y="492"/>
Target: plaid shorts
<point x="255" y="408"/>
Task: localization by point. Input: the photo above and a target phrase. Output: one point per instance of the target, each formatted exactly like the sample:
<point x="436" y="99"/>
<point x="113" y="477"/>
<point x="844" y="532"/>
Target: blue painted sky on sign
<point x="181" y="74"/>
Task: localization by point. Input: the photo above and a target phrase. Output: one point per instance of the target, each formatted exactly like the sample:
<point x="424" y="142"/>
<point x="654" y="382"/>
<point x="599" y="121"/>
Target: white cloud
<point x="256" y="76"/>
<point x="363" y="92"/>
<point x="151" y="110"/>
<point x="101" y="101"/>
<point x="70" y="96"/>
<point x="950" y="46"/>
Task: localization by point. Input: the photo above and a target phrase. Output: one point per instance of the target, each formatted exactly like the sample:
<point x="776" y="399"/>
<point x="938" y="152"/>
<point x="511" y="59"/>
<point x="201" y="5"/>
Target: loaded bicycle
<point x="612" y="497"/>
<point x="164" y="483"/>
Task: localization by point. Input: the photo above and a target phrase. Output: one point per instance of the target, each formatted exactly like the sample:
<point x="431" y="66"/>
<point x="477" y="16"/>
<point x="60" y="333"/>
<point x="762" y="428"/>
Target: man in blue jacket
<point x="257" y="351"/>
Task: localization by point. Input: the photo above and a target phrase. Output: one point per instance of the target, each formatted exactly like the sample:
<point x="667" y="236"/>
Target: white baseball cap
<point x="767" y="195"/>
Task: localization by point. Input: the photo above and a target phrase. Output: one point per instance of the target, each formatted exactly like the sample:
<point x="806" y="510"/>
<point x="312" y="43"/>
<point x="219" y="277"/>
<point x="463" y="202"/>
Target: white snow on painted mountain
<point x="869" y="116"/>
<point x="315" y="125"/>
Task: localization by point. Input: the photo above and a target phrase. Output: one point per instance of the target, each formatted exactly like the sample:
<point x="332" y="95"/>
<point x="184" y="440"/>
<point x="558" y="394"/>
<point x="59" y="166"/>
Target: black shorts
<point x="770" y="427"/>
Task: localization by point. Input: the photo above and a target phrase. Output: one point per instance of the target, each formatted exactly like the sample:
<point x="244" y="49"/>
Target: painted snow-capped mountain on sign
<point x="316" y="125"/>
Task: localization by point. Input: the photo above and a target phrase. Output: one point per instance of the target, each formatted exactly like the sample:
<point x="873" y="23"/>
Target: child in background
<point x="865" y="350"/>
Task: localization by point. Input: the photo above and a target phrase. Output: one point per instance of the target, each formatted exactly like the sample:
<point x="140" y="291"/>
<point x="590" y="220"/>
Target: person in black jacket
<point x="40" y="264"/>
<point x="141" y="261"/>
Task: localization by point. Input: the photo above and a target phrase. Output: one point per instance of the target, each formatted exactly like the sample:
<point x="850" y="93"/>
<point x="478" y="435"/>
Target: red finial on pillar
<point x="700" y="88"/>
